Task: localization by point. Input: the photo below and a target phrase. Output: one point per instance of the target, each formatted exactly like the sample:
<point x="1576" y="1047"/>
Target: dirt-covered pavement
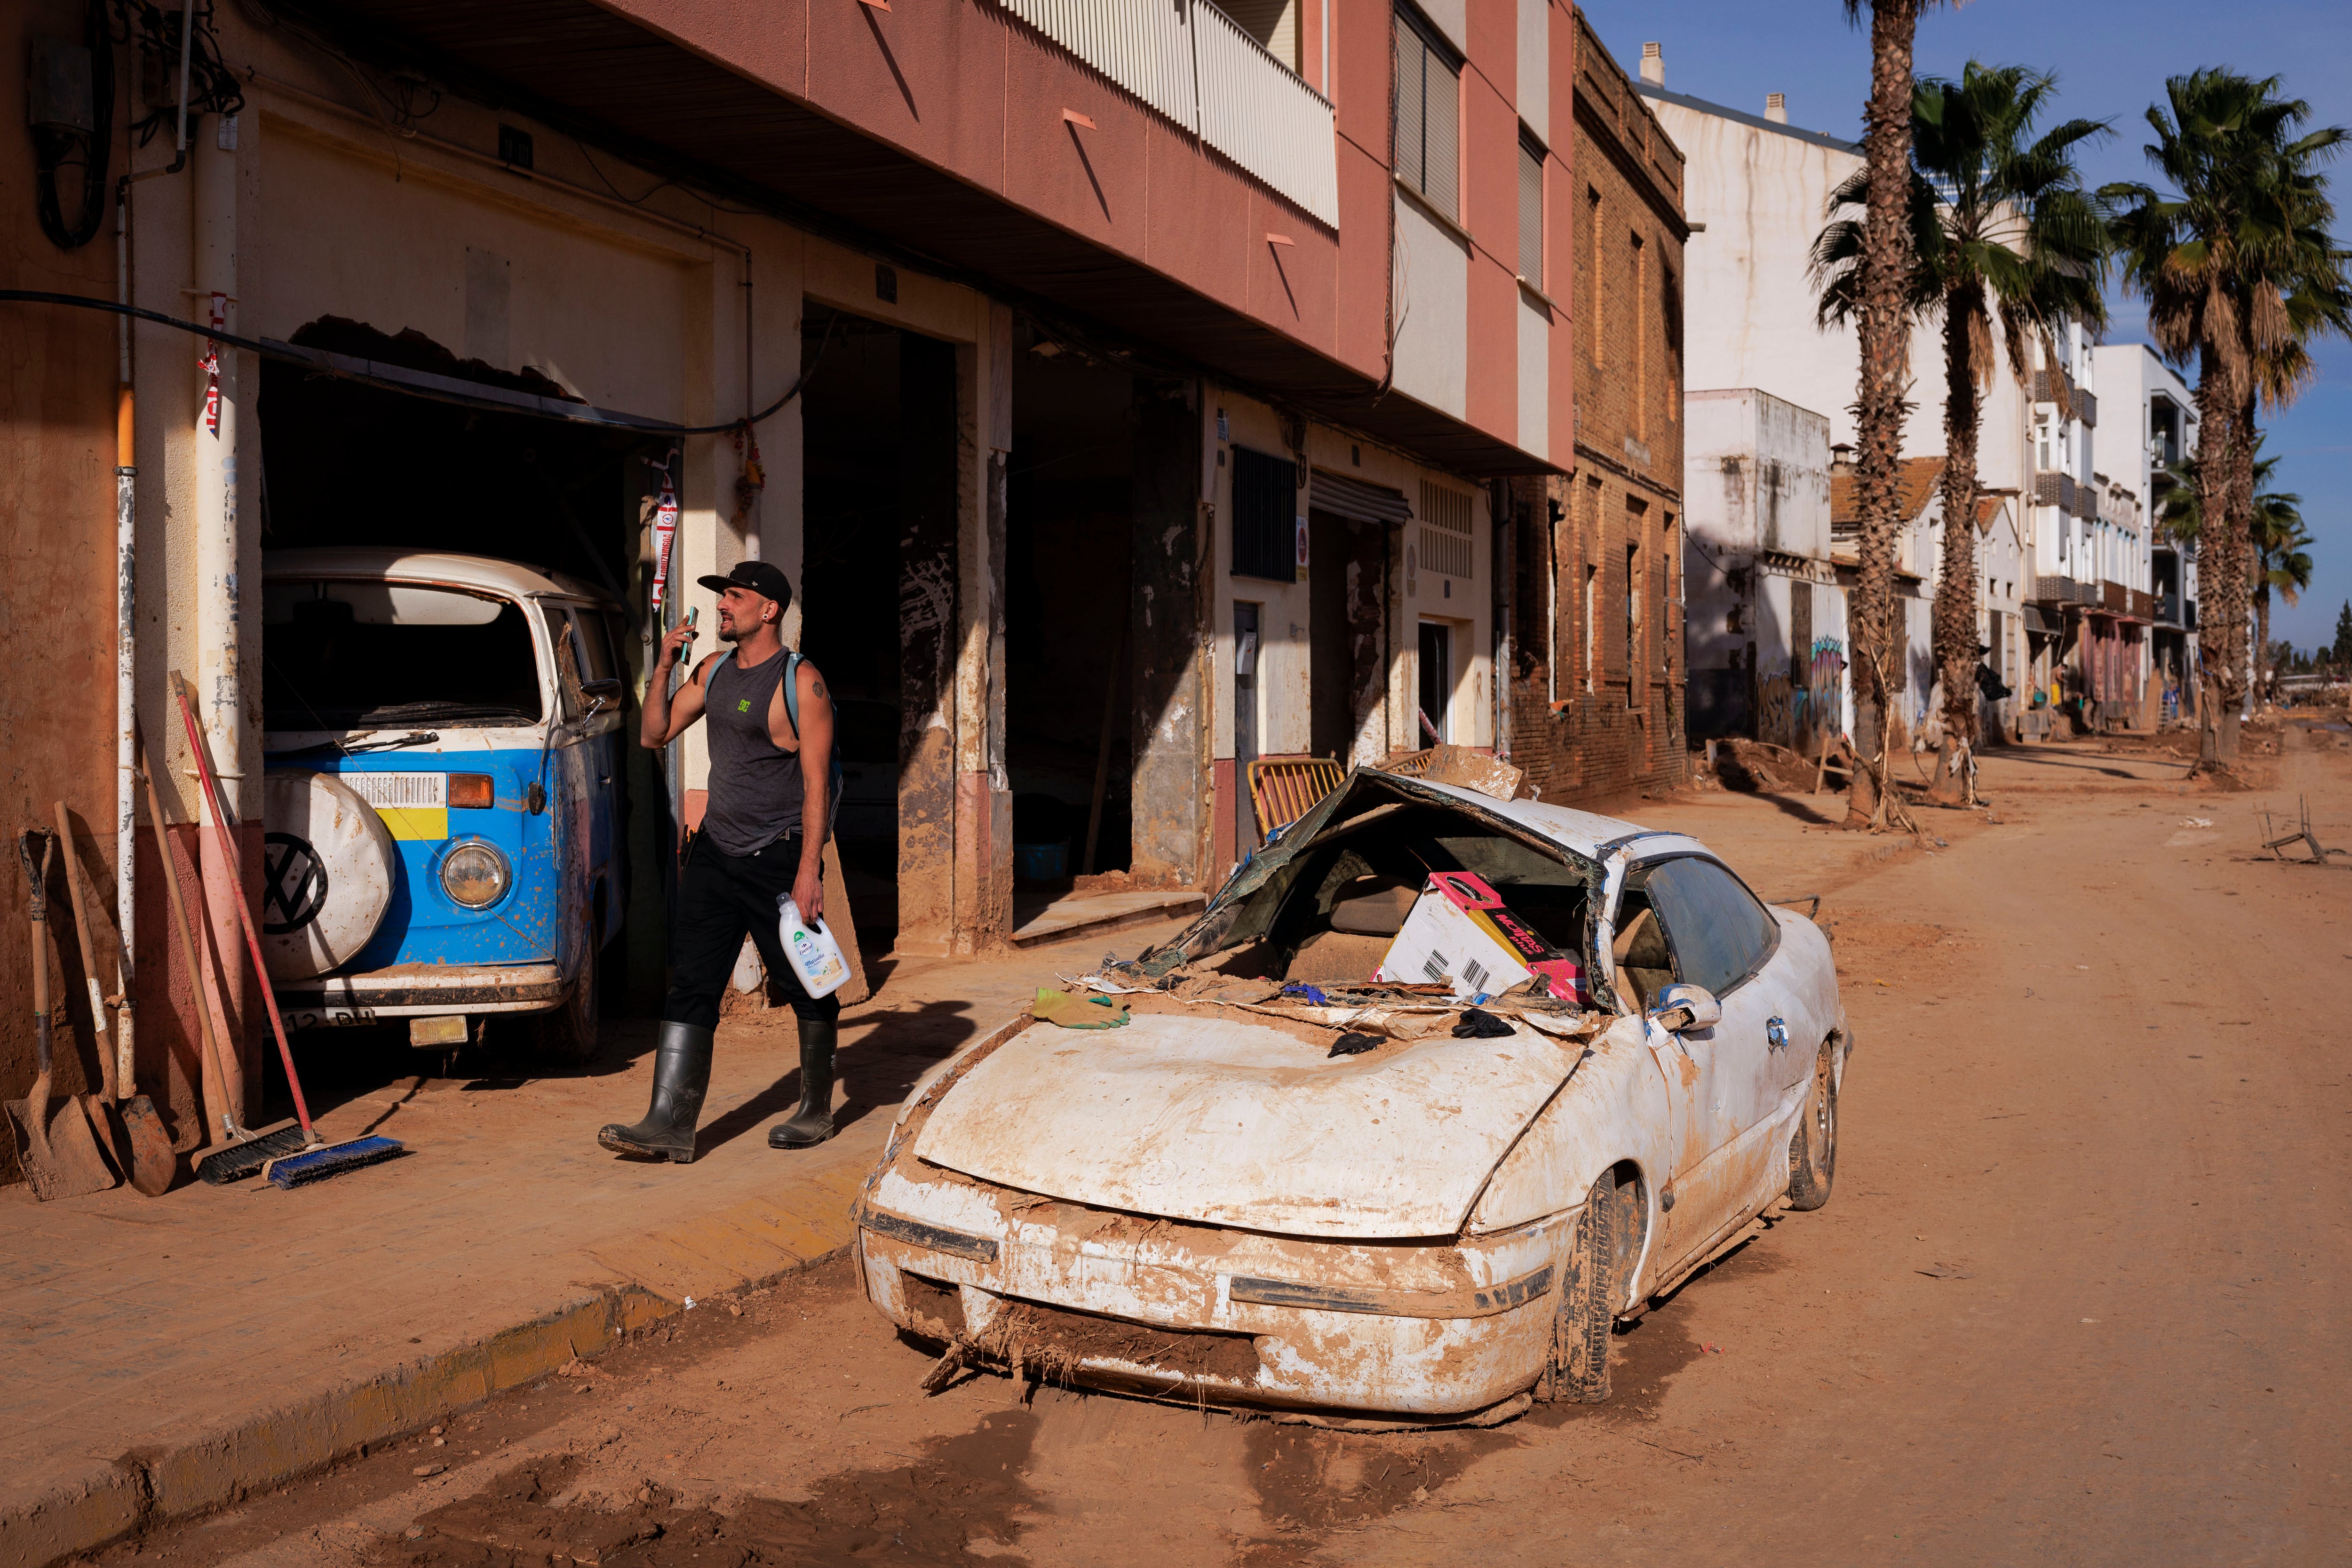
<point x="2079" y="1295"/>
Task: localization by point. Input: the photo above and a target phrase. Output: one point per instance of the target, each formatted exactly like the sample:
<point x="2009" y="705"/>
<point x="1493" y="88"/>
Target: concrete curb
<point x="175" y="1477"/>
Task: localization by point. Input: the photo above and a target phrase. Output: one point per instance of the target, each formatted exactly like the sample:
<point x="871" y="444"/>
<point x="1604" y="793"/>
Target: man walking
<point x="774" y="773"/>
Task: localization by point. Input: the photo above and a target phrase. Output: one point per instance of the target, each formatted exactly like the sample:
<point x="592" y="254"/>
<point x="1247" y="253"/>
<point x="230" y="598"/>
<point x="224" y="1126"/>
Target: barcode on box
<point x="1435" y="968"/>
<point x="1475" y="973"/>
<point x="392" y="791"/>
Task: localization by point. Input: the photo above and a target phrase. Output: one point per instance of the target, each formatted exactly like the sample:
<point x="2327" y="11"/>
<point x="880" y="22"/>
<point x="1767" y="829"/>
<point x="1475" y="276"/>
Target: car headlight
<point x="475" y="874"/>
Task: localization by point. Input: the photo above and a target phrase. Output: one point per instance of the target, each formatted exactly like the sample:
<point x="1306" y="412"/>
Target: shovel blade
<point x="64" y="1162"/>
<point x="153" y="1165"/>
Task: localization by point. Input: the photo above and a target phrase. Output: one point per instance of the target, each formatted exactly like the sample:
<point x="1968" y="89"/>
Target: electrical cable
<point x="343" y="367"/>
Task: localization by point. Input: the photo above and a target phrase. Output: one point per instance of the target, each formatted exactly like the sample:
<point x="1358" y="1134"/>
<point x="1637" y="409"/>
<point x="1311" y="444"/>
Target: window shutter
<point x="1411" y="56"/>
<point x="1440" y="134"/>
<point x="1531" y="213"/>
<point x="1445" y="532"/>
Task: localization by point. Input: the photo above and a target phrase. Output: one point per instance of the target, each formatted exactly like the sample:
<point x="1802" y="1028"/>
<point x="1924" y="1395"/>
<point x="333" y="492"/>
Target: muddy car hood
<point x="1241" y="1124"/>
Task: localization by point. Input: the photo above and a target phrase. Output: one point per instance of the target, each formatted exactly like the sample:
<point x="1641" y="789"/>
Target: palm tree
<point x="2240" y="275"/>
<point x="1882" y="331"/>
<point x="2281" y="547"/>
<point x="2279" y="541"/>
<point x="2001" y="228"/>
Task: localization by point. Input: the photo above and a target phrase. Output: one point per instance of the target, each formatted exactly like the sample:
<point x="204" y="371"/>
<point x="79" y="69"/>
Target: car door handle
<point x="1776" y="1035"/>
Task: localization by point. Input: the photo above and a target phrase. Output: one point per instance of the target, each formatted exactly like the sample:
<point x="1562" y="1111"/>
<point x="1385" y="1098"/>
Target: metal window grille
<point x="1531" y="205"/>
<point x="1444" y="531"/>
<point x="1265" y="516"/>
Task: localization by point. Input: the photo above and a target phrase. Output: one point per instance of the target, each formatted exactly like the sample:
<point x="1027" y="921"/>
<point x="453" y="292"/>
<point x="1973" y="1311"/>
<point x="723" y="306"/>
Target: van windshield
<point x="365" y="655"/>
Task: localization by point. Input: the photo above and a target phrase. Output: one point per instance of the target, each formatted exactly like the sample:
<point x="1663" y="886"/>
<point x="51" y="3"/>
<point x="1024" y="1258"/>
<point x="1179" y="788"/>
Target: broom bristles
<point x="332" y="1159"/>
<point x="240" y="1161"/>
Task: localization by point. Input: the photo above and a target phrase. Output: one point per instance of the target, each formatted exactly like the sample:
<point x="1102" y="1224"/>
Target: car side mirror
<point x="1681" y="1007"/>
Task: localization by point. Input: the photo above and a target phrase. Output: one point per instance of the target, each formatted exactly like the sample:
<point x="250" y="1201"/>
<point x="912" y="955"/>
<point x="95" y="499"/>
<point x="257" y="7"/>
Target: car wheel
<point x="1812" y="1151"/>
<point x="1579" y="1372"/>
<point x="567" y="1033"/>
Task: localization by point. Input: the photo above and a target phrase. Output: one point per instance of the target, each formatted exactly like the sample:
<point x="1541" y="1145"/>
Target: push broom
<point x="289" y="1156"/>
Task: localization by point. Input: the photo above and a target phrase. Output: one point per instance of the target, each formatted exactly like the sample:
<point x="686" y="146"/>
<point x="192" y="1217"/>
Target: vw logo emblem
<point x="293" y="883"/>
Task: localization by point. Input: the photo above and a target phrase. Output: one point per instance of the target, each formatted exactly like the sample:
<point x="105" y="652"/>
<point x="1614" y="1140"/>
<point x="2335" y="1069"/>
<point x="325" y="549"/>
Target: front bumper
<point x="419" y="990"/>
<point x="1432" y="1330"/>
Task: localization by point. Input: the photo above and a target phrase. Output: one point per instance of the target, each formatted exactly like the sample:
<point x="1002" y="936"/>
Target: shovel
<point x="60" y="1157"/>
<point x="137" y="1129"/>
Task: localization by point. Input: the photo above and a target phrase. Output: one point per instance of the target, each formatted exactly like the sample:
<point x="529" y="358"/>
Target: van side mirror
<point x="1681" y="1007"/>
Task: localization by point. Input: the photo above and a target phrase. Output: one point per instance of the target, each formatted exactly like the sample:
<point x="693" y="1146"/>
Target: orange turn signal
<point x="473" y="791"/>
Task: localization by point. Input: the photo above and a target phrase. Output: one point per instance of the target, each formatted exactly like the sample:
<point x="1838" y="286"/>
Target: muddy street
<point x="2078" y="1295"/>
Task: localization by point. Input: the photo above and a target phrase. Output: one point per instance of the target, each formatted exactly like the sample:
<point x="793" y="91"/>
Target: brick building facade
<point x="1597" y="692"/>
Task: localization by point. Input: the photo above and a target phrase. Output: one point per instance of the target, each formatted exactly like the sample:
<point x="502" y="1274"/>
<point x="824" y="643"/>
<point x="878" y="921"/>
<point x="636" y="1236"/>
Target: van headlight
<point x="476" y="874"/>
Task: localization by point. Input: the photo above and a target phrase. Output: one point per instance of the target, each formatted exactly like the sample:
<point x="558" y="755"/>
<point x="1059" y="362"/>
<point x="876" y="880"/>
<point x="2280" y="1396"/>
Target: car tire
<point x="1587" y="1314"/>
<point x="1812" y="1148"/>
<point x="567" y="1033"/>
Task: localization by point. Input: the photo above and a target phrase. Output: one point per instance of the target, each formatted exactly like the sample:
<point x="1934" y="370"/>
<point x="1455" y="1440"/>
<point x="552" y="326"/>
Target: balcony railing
<point x="2167" y="609"/>
<point x="1195" y="66"/>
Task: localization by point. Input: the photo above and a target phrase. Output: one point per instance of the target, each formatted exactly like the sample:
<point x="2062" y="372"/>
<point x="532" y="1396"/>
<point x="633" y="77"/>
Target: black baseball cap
<point x="767" y="580"/>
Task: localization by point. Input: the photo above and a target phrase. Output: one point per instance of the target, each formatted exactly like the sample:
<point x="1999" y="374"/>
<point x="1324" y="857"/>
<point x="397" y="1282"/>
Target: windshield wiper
<point x="414" y="738"/>
<point x="444" y="709"/>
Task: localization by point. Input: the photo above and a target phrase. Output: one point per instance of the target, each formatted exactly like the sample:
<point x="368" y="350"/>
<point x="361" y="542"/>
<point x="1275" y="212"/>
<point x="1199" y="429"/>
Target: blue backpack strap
<point x="792" y="662"/>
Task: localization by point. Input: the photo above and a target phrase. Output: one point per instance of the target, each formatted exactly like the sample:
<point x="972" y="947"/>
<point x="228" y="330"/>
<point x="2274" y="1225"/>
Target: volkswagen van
<point x="441" y="792"/>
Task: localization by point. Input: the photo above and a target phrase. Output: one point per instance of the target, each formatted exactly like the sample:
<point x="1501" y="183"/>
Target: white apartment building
<point x="1756" y="189"/>
<point x="2152" y="426"/>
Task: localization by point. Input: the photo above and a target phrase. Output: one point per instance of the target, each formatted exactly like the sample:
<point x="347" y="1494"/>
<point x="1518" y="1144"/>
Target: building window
<point x="1591" y="269"/>
<point x="1428" y="113"/>
<point x="1634" y="666"/>
<point x="1641" y="340"/>
<point x="1591" y="604"/>
<point x="1531" y="210"/>
<point x="1265" y="516"/>
<point x="1444" y="531"/>
<point x="1274" y="23"/>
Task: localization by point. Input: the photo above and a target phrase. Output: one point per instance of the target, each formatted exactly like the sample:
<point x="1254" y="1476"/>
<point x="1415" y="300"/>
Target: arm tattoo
<point x="818" y="687"/>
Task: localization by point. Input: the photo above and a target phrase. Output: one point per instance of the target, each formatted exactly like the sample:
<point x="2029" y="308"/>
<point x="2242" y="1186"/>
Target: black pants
<point x="720" y="898"/>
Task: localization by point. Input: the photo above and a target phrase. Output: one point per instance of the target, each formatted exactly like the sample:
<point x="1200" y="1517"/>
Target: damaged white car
<point x="1302" y="1157"/>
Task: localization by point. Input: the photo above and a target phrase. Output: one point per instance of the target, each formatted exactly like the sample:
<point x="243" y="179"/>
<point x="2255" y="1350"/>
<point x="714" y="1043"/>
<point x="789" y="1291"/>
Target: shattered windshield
<point x="365" y="654"/>
<point x="1330" y="902"/>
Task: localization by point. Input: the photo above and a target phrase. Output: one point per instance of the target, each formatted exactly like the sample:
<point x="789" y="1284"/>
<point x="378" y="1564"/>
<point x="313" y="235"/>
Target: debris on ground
<point x="1760" y="767"/>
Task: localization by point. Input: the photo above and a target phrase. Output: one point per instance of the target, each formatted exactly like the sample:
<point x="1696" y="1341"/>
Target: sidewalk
<point x="165" y="1356"/>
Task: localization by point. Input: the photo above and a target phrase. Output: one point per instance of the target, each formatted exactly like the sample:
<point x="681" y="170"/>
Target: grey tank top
<point x="756" y="790"/>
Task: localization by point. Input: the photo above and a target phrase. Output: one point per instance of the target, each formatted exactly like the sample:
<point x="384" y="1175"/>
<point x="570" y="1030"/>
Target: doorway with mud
<point x="877" y="594"/>
<point x="1098" y="612"/>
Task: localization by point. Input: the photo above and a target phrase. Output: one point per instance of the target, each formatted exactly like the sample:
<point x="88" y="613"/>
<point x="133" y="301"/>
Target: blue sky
<point x="2111" y="59"/>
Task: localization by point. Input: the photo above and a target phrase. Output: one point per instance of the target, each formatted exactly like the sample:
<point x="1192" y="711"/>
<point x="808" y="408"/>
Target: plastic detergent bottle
<point x="815" y="956"/>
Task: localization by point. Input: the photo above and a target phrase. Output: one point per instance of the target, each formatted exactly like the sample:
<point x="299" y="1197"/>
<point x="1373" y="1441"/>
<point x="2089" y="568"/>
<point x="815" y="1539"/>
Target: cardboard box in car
<point x="1460" y="933"/>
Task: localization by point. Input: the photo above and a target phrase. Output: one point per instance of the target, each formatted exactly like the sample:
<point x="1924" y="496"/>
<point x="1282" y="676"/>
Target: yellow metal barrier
<point x="1285" y="789"/>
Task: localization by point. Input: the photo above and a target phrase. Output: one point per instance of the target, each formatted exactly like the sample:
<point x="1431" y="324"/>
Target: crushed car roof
<point x="1587" y="833"/>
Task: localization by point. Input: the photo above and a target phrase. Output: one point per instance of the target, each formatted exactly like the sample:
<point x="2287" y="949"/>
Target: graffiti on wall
<point x="1799" y="706"/>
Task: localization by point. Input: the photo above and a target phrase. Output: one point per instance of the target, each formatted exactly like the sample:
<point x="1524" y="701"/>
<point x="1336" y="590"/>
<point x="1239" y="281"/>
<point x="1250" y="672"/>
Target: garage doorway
<point x="345" y="463"/>
<point x="1068" y="586"/>
<point x="877" y="593"/>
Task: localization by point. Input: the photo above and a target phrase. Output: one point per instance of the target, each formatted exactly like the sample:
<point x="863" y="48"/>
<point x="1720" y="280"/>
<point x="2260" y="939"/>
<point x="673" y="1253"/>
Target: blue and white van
<point x="442" y="794"/>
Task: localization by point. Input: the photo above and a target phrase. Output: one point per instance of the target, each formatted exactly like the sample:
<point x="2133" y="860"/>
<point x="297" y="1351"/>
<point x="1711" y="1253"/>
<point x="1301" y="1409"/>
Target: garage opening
<point x="345" y="463"/>
<point x="879" y="602"/>
<point x="1069" y="685"/>
<point x="349" y="464"/>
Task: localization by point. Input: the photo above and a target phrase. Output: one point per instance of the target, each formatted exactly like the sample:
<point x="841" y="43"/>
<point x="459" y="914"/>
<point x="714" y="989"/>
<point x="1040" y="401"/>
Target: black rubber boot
<point x="813" y="1124"/>
<point x="681" y="1075"/>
